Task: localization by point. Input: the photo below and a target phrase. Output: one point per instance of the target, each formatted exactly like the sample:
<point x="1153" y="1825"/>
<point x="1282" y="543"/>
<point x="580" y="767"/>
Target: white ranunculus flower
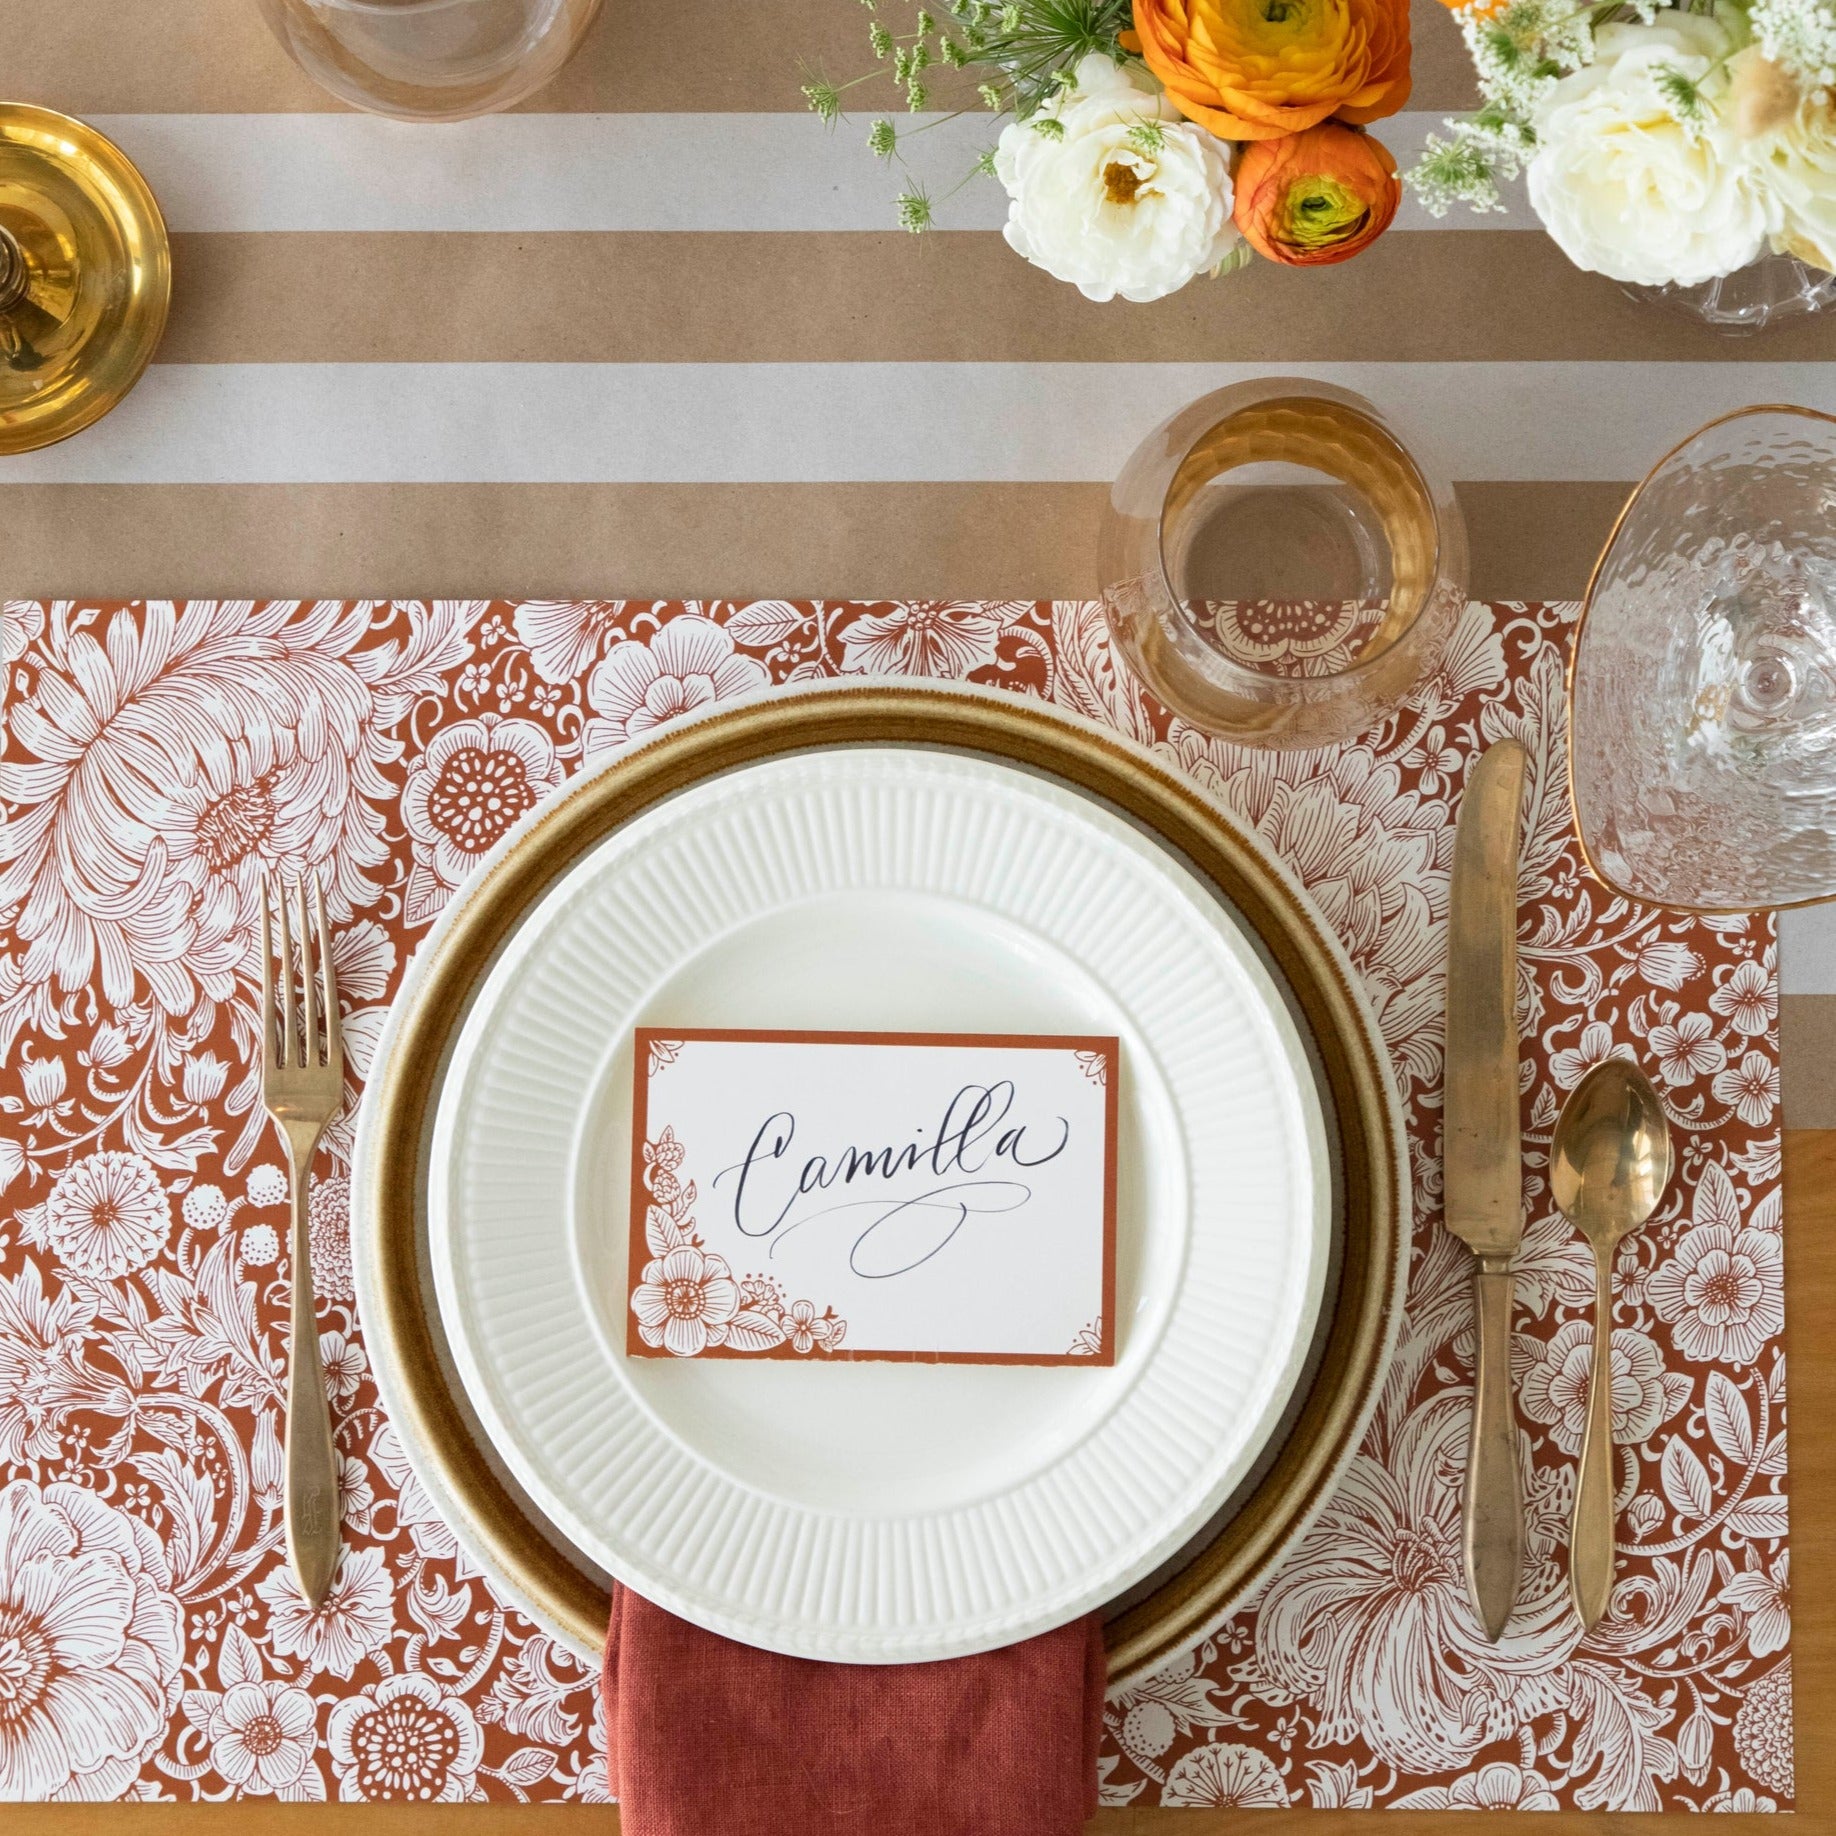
<point x="1795" y="167"/>
<point x="1122" y="195"/>
<point x="1623" y="187"/>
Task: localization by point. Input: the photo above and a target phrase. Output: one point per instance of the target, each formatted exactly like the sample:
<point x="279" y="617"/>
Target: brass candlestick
<point x="85" y="276"/>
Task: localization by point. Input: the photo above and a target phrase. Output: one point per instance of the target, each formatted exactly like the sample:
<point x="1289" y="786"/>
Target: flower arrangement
<point x="1151" y="141"/>
<point x="1661" y="144"/>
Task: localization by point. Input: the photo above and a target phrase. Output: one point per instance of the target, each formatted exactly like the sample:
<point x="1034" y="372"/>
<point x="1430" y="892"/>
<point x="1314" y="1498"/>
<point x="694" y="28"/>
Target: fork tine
<point x="310" y="1041"/>
<point x="334" y="1041"/>
<point x="267" y="978"/>
<point x="286" y="979"/>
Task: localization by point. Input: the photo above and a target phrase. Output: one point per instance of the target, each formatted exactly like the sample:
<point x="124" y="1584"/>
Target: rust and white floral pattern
<point x="107" y="1213"/>
<point x="1554" y="1378"/>
<point x="1288" y="637"/>
<point x="262" y="1736"/>
<point x="1225" y="1775"/>
<point x="157" y="760"/>
<point x="642" y="682"/>
<point x="91" y="1640"/>
<point x="406" y="1739"/>
<point x="464" y="793"/>
<point x="686" y="1301"/>
<point x="927" y="638"/>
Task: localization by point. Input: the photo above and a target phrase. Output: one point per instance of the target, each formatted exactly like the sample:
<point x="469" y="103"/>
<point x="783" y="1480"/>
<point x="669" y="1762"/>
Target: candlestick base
<point x="85" y="276"/>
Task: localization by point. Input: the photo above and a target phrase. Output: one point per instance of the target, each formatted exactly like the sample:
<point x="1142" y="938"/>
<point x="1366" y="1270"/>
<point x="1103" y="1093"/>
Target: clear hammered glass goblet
<point x="1702" y="694"/>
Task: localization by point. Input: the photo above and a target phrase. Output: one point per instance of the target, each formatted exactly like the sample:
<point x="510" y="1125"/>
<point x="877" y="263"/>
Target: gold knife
<point x="1484" y="1180"/>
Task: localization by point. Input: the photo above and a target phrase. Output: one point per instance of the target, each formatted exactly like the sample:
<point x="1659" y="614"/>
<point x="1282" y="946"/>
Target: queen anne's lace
<point x="1800" y="36"/>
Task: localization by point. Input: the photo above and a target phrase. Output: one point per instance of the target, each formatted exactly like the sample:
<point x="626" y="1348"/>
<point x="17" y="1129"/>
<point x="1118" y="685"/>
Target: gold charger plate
<point x="1171" y="1609"/>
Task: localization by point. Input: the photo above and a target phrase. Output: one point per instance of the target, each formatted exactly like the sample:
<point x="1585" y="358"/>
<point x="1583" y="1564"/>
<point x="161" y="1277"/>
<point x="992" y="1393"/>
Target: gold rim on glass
<point x="87" y="276"/>
<point x="1349" y="442"/>
<point x="1352" y="1352"/>
<point x="1574" y="655"/>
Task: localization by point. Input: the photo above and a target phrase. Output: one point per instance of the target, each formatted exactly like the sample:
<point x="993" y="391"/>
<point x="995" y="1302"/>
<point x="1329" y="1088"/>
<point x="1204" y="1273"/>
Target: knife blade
<point x="1483" y="1161"/>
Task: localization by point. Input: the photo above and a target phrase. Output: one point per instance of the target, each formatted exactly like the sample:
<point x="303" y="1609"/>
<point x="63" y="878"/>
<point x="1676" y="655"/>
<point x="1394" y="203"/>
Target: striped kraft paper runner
<point x="656" y="333"/>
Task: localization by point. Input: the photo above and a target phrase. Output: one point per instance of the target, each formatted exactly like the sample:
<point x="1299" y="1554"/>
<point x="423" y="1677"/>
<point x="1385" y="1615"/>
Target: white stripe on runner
<point x="704" y="172"/>
<point x="713" y="423"/>
<point x="1807" y="951"/>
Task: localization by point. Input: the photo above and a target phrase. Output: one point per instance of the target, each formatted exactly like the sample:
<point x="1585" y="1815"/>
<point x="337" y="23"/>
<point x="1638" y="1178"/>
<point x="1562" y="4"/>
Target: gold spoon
<point x="1608" y="1166"/>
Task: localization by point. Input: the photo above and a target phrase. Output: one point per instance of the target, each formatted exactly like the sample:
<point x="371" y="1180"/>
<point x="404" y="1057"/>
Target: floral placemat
<point x="158" y="759"/>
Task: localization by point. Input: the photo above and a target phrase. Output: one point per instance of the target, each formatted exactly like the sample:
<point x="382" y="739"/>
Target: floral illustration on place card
<point x="155" y="760"/>
<point x="686" y="1300"/>
<point x="984" y="1232"/>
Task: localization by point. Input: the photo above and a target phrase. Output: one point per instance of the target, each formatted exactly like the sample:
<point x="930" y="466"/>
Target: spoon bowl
<point x="1609" y="1163"/>
<point x="1610" y="1160"/>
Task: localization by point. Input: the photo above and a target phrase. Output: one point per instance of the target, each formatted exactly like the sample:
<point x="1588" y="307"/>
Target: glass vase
<point x="1771" y="291"/>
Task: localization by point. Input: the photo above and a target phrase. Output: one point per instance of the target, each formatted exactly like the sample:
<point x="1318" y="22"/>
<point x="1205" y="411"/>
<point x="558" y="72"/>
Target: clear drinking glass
<point x="1702" y="697"/>
<point x="430" y="60"/>
<point x="1278" y="567"/>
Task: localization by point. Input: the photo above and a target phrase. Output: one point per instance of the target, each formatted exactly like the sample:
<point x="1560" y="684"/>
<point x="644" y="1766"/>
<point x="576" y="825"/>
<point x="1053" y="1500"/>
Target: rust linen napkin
<point x="704" y="1734"/>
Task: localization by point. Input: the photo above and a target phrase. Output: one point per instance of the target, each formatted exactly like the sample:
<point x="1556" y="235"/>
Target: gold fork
<point x="302" y="1086"/>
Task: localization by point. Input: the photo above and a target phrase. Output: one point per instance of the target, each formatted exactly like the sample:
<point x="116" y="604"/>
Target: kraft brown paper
<point x="819" y="541"/>
<point x="215" y="56"/>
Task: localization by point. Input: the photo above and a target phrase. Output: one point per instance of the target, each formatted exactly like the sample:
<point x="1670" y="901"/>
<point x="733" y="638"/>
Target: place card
<point x="941" y="1197"/>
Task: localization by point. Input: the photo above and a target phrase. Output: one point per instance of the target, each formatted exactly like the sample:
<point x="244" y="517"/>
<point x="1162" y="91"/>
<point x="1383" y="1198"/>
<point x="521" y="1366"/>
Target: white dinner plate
<point x="859" y="1511"/>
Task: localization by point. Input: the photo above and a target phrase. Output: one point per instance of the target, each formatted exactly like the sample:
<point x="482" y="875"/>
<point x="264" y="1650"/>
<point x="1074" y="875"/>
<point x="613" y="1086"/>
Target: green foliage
<point x="1030" y="49"/>
<point x="1682" y="94"/>
<point x="1037" y="41"/>
<point x="915" y="210"/>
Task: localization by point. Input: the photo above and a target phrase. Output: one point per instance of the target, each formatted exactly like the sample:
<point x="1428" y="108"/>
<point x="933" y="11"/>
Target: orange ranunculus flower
<point x="1254" y="69"/>
<point x="1315" y="197"/>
